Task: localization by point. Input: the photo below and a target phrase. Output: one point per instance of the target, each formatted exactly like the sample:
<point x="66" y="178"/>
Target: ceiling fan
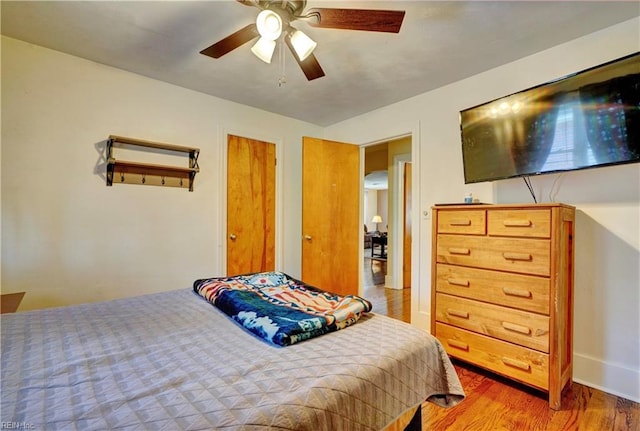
<point x="275" y="20"/>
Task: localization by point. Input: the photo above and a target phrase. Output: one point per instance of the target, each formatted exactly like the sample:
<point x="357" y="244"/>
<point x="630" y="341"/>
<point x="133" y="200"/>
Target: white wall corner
<point x="608" y="377"/>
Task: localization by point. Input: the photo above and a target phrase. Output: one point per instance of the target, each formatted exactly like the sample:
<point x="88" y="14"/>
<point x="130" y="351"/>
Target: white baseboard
<point x="611" y="378"/>
<point x="421" y="319"/>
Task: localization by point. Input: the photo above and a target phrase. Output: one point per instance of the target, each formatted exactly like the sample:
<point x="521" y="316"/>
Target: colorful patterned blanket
<point x="281" y="309"/>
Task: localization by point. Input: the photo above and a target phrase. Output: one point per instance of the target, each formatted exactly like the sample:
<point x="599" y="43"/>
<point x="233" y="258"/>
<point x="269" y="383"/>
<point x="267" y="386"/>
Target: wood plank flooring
<point x="395" y="303"/>
<point x="494" y="403"/>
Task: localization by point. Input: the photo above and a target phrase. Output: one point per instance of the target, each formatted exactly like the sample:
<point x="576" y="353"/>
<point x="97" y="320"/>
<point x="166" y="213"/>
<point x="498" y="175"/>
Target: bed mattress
<point x="172" y="361"/>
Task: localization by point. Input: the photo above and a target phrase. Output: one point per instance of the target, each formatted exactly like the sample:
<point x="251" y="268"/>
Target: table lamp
<point x="377" y="220"/>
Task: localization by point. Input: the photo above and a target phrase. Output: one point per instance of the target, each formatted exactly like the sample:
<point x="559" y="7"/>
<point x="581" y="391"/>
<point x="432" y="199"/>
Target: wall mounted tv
<point x="588" y="119"/>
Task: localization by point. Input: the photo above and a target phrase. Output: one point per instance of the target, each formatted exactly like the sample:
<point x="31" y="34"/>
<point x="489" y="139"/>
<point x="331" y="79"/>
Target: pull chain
<point x="283" y="79"/>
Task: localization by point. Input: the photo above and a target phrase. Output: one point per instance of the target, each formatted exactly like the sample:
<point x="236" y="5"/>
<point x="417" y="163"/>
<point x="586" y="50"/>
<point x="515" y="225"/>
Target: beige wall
<point x="375" y="204"/>
<point x="383" y="209"/>
<point x="607" y="275"/>
<point x="376" y="158"/>
<point x="67" y="238"/>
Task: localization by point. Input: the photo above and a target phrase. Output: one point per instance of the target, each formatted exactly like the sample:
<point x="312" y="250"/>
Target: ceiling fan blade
<point x="309" y="65"/>
<point x="248" y="2"/>
<point x="231" y="42"/>
<point x="388" y="21"/>
<point x="311" y="68"/>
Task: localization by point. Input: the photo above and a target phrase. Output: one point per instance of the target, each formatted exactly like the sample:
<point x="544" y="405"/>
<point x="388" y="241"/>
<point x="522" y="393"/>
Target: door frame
<point x="420" y="297"/>
<point x="223" y="137"/>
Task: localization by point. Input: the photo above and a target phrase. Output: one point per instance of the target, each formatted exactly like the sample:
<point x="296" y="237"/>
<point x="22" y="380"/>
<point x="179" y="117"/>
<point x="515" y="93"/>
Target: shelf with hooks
<point x="133" y="172"/>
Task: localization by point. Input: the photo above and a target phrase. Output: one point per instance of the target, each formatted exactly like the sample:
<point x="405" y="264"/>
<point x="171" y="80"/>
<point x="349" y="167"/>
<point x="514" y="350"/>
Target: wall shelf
<point x="133" y="172"/>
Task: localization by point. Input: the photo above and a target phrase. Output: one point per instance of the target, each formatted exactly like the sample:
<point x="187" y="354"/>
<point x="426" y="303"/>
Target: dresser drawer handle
<point x="517" y="223"/>
<point x="517" y="256"/>
<point x="459" y="250"/>
<point x="520" y="293"/>
<point x="458" y="344"/>
<point x="460" y="222"/>
<point x="516" y="328"/>
<point x="516" y="363"/>
<point x="457" y="313"/>
<point x="458" y="282"/>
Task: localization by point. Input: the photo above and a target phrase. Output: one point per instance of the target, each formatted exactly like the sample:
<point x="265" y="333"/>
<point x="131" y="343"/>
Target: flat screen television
<point x="585" y="120"/>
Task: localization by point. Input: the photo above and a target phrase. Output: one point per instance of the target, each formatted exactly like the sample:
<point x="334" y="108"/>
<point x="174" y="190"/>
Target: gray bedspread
<point x="172" y="361"/>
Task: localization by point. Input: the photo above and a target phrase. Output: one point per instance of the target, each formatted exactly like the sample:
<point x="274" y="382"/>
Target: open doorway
<point x="386" y="225"/>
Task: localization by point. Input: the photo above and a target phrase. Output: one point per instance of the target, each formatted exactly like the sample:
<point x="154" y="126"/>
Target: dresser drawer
<point x="526" y="256"/>
<point x="516" y="362"/>
<point x="525" y="292"/>
<point x="515" y="326"/>
<point x="521" y="223"/>
<point x="471" y="222"/>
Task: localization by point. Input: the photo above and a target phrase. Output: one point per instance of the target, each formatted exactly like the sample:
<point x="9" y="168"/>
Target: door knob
<point x="307" y="237"/>
<point x="232" y="236"/>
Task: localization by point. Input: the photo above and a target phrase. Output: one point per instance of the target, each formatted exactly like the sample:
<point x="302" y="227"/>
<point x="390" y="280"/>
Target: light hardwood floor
<point x="493" y="403"/>
<point x="395" y="303"/>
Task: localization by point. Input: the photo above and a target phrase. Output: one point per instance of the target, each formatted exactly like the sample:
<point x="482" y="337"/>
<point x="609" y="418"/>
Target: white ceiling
<point x="439" y="43"/>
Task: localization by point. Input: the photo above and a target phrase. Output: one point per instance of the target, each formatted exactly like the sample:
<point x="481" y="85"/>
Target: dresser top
<point x="462" y="206"/>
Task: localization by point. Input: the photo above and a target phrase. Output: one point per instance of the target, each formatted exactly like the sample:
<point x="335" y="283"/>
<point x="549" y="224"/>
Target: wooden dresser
<point x="502" y="290"/>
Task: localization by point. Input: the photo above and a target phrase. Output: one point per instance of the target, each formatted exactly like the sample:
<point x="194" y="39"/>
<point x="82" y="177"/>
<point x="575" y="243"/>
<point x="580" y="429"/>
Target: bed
<point x="172" y="361"/>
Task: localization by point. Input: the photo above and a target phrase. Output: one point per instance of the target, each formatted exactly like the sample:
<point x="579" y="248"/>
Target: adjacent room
<point x="320" y="215"/>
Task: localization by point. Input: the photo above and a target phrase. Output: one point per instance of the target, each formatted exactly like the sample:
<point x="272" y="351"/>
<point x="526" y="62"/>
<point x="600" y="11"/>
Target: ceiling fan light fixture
<point x="269" y="24"/>
<point x="273" y="22"/>
<point x="302" y="44"/>
<point x="263" y="49"/>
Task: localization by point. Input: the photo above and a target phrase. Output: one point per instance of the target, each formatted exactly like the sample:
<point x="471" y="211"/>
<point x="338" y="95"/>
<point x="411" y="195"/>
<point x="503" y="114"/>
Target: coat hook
<point x="180" y="182"/>
<point x="122" y="177"/>
<point x="144" y="178"/>
<point x="163" y="181"/>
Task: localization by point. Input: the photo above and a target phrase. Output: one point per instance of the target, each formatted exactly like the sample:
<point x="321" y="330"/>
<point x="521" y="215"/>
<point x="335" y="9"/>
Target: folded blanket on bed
<point x="281" y="309"/>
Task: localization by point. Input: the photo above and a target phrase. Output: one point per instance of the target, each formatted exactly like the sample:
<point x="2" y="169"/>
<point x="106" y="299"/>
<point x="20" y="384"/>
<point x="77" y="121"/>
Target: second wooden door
<point x="331" y="229"/>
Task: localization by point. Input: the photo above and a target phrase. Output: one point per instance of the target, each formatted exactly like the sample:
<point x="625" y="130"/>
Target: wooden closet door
<point x="331" y="229"/>
<point x="250" y="205"/>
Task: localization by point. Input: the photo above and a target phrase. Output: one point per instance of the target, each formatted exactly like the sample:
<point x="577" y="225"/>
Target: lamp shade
<point x="376" y="219"/>
<point x="269" y="24"/>
<point x="302" y="44"/>
<point x="263" y="49"/>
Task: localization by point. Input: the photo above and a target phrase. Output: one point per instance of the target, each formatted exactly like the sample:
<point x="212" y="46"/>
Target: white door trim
<point x="420" y="296"/>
